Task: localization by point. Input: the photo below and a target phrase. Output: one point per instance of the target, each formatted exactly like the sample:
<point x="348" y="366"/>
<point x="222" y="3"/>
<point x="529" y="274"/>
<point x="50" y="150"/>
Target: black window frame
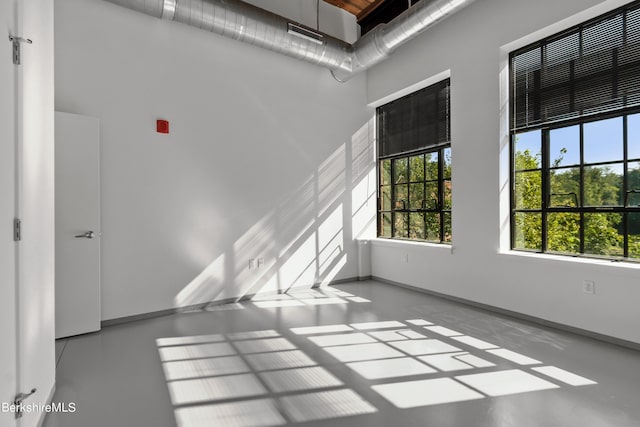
<point x="432" y="208"/>
<point x="576" y="202"/>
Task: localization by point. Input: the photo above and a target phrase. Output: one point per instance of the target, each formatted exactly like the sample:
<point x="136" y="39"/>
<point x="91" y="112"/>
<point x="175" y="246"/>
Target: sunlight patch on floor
<point x="359" y="352"/>
<point x="390" y="368"/>
<point x="262" y="378"/>
<point x="199" y="368"/>
<point x="564" y="376"/>
<point x="215" y="388"/>
<point x="279" y="360"/>
<point x="401" y="353"/>
<point x="304" y="297"/>
<point x="411" y="394"/>
<point x="422" y="347"/>
<point x="321" y="329"/>
<point x="502" y="383"/>
<point x="250" y="413"/>
<point x="299" y="379"/>
<point x="217" y="383"/>
<point x="514" y="357"/>
<point x="341" y="339"/>
<point x="325" y="405"/>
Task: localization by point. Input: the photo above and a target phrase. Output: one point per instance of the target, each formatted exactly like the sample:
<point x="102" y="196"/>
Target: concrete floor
<point x="394" y="357"/>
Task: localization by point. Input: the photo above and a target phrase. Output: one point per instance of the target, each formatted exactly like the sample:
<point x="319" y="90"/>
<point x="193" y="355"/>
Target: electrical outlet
<point x="252" y="263"/>
<point x="589" y="287"/>
<point x="406" y="257"/>
<point x="260" y="262"/>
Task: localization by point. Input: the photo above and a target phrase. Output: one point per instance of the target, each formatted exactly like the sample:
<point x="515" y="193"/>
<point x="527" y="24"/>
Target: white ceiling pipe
<point x="247" y="23"/>
<point x="375" y="46"/>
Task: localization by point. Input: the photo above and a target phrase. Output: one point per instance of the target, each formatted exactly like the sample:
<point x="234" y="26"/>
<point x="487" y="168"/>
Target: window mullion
<point x="407" y="218"/>
<point x="424" y="196"/>
<point x="625" y="186"/>
<point x="439" y="195"/>
<point x="581" y="198"/>
<point x="545" y="182"/>
<point x="379" y="199"/>
<point x="408" y="202"/>
<point x="406" y="205"/>
<point x="512" y="180"/>
<point x="393" y="199"/>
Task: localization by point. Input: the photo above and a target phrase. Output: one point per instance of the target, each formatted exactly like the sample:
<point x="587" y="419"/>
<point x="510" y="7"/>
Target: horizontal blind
<point x="590" y="69"/>
<point x="416" y="121"/>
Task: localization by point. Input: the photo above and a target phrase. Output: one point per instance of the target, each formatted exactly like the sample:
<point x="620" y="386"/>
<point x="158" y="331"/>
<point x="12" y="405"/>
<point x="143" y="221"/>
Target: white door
<point x="8" y="384"/>
<point x="77" y="224"/>
<point x="27" y="357"/>
<point x="36" y="261"/>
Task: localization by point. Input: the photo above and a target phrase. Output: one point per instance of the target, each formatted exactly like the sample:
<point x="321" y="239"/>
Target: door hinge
<point x="17" y="402"/>
<point x="16" y="47"/>
<point x="17" y="230"/>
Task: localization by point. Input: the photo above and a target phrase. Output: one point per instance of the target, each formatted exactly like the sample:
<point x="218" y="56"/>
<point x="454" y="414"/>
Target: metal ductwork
<point x="250" y="24"/>
<point x="378" y="43"/>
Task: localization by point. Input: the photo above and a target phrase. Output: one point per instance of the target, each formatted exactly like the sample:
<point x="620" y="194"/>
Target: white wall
<point x="263" y="154"/>
<point x="474" y="45"/>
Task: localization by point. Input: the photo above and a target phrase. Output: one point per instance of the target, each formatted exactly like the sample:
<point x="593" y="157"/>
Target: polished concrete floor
<point x="358" y="354"/>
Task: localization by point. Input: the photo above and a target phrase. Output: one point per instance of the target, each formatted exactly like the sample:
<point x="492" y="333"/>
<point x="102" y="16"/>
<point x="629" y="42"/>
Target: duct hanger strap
<point x="169" y="9"/>
<point x="16" y="41"/>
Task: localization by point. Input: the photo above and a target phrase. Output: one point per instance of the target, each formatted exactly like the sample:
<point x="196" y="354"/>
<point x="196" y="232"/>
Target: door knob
<point x="87" y="235"/>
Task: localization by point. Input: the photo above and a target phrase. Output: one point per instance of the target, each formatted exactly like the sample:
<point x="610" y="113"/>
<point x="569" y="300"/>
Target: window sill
<point x="393" y="243"/>
<point x="568" y="258"/>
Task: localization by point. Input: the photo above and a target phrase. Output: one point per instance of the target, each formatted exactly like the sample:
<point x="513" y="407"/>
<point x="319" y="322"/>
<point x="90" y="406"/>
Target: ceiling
<point x="359" y="8"/>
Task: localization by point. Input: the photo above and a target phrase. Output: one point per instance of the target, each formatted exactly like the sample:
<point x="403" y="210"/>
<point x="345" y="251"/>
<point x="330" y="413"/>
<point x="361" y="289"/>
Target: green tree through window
<point x="588" y="210"/>
<point x="416" y="203"/>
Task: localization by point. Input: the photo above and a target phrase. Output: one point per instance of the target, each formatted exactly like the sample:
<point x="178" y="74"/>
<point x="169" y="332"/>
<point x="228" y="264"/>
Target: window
<point x="414" y="164"/>
<point x="575" y="140"/>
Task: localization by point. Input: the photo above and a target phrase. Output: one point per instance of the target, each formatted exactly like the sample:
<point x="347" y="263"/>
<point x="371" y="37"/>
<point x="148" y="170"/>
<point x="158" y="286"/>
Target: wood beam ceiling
<point x="359" y="8"/>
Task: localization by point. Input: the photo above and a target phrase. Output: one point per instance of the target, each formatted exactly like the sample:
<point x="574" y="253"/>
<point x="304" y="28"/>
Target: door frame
<point x="9" y="371"/>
